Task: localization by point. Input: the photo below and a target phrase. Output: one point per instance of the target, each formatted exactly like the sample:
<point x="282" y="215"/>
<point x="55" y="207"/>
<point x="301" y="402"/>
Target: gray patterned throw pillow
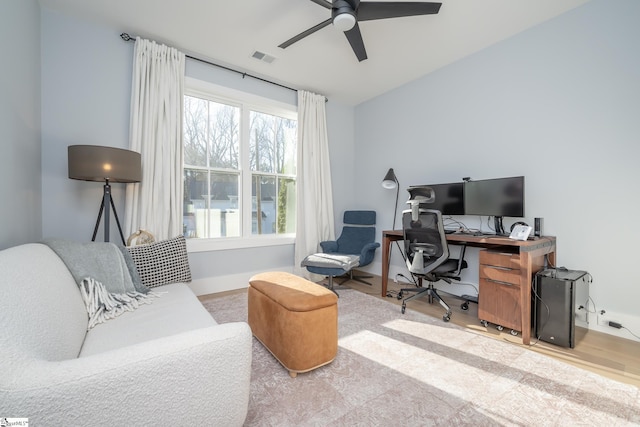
<point x="163" y="262"/>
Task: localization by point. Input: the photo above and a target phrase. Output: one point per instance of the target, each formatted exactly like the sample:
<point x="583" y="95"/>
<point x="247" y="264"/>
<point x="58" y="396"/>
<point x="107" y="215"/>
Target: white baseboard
<point x="631" y="323"/>
<point x="215" y="284"/>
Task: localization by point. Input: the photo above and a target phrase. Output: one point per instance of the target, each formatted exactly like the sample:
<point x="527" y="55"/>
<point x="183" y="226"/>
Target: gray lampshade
<point x="98" y="163"/>
<point x="390" y="181"/>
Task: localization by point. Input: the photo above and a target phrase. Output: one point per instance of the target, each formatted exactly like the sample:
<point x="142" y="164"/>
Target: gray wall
<point x="86" y="89"/>
<point x="86" y="86"/>
<point x="20" y="192"/>
<point x="559" y="104"/>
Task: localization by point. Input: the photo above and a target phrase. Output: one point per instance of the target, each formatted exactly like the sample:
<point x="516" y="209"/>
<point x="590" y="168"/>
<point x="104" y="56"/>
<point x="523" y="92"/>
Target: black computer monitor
<point x="495" y="197"/>
<point x="448" y="200"/>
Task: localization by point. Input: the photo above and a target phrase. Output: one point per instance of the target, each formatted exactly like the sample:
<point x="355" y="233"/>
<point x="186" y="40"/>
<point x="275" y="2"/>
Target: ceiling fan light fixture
<point x="344" y="21"/>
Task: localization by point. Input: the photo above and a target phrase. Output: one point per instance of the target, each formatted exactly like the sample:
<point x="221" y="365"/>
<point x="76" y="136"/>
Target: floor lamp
<point x="104" y="164"/>
<point x="390" y="182"/>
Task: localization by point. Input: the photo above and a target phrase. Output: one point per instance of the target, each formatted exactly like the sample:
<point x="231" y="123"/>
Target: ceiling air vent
<point x="263" y="57"/>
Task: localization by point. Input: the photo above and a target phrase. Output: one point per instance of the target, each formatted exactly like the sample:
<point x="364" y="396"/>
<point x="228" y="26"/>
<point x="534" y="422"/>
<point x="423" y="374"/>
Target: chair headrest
<point x="422" y="193"/>
<point x="359" y="217"/>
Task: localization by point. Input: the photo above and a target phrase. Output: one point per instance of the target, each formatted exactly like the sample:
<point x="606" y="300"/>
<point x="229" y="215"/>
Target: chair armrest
<point x="329" y="246"/>
<point x="461" y="261"/>
<point x="199" y="377"/>
<point x="368" y="252"/>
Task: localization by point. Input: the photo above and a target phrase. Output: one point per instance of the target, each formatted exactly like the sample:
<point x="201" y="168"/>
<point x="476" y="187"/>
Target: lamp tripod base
<point x="105" y="207"/>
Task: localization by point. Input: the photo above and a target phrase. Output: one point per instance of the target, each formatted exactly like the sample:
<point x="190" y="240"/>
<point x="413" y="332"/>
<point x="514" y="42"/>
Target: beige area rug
<point x="415" y="370"/>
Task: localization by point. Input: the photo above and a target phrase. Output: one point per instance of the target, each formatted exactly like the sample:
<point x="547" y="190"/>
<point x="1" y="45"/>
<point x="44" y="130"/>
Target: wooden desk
<point x="529" y="260"/>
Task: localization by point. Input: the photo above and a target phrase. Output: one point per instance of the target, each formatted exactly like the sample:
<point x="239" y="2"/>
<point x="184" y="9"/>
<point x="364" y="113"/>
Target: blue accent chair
<point x="355" y="247"/>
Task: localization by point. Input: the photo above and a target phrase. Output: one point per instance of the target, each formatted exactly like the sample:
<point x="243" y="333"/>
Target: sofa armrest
<point x="199" y="377"/>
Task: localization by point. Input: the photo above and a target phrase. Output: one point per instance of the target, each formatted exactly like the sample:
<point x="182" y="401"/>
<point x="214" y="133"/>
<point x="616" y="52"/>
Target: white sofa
<point x="166" y="363"/>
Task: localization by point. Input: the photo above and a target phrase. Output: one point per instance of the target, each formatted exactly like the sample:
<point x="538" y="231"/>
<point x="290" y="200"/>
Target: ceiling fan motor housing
<point x="343" y="16"/>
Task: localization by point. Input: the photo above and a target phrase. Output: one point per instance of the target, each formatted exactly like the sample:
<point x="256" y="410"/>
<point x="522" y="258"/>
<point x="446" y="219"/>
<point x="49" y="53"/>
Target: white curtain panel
<point x="155" y="204"/>
<point x="315" y="222"/>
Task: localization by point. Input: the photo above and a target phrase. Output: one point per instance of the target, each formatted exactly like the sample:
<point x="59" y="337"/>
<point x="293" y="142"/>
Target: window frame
<point x="247" y="102"/>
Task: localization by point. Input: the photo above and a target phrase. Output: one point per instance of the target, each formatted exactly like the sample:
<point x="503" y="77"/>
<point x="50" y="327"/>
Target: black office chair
<point x="427" y="255"/>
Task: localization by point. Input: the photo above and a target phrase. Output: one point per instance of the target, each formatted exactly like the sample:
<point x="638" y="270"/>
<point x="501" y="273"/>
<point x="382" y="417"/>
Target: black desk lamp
<point x="108" y="164"/>
<point x="390" y="182"/>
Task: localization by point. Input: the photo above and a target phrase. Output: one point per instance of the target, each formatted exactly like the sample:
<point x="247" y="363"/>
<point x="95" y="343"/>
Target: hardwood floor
<point x="608" y="355"/>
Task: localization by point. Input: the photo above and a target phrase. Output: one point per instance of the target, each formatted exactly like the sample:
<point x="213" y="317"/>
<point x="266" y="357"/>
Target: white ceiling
<point x="400" y="50"/>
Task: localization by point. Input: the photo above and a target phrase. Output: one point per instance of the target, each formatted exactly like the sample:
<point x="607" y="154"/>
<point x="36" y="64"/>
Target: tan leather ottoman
<point x="295" y="319"/>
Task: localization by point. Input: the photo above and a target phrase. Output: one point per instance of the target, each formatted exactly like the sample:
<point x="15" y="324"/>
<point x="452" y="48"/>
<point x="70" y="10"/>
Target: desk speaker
<point x="537" y="227"/>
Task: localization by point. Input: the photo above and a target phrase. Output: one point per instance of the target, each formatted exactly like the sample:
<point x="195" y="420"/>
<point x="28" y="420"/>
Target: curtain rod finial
<point x="126" y="37"/>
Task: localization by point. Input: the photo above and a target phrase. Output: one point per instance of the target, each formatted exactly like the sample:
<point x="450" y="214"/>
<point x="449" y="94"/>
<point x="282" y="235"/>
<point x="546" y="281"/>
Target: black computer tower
<point x="558" y="295"/>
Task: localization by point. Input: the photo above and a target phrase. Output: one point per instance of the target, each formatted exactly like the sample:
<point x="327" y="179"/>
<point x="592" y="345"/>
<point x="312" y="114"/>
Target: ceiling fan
<point x="345" y="15"/>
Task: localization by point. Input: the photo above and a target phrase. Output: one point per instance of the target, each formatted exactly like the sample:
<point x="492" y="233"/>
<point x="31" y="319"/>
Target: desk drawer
<point x="500" y="259"/>
<point x="503" y="275"/>
<point x="499" y="300"/>
<point x="500" y="304"/>
<point x="500" y="267"/>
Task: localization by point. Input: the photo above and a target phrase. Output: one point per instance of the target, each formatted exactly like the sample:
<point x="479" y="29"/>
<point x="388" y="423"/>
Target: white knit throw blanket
<point x="102" y="305"/>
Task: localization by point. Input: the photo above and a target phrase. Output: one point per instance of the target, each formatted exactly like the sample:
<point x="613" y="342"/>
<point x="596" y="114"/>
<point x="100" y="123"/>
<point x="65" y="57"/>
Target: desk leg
<point x="386" y="250"/>
<point x="526" y="272"/>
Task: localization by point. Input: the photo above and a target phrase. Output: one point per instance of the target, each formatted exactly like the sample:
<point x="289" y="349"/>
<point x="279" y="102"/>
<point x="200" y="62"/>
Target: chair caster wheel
<point x="400" y="295"/>
<point x="446" y="318"/>
<point x="464" y="306"/>
<point x="404" y="307"/>
<point x="499" y="327"/>
<point x="484" y="323"/>
<point x="514" y="333"/>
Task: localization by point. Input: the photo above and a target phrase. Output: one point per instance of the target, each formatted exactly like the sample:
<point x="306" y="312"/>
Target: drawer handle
<point x="500" y="282"/>
<point x="497" y="267"/>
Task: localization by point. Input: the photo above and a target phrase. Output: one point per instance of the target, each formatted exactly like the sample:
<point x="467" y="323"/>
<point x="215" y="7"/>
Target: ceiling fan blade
<point x="368" y="11"/>
<point x="305" y="34"/>
<point x="323" y="3"/>
<point x="357" y="44"/>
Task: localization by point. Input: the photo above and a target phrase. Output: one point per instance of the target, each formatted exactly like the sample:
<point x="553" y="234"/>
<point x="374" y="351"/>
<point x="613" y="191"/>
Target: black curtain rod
<point x="126" y="37"/>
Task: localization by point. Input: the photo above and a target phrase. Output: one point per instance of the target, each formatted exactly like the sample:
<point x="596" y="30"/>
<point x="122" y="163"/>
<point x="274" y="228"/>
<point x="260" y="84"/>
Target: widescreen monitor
<point x="448" y="197"/>
<point x="495" y="197"/>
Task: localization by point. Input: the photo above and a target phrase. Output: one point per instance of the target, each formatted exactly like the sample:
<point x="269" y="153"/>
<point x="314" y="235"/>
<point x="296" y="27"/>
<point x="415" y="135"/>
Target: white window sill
<point x="222" y="244"/>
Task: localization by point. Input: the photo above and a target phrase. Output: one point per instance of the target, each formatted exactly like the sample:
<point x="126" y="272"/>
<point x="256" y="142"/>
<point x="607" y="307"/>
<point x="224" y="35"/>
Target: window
<point x="239" y="167"/>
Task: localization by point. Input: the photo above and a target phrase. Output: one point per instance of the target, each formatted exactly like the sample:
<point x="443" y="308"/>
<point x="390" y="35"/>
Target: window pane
<point x="272" y="144"/>
<point x="195" y="131"/>
<point x="195" y="200"/>
<point x="223" y="135"/>
<point x="261" y="142"/>
<point x="263" y="211"/>
<point x="224" y="200"/>
<point x="287" y="142"/>
<point x="286" y="205"/>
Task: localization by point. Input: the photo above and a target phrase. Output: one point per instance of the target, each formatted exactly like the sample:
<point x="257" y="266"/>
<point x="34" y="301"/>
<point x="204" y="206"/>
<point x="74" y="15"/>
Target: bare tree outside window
<point x="272" y="149"/>
<point x="213" y="199"/>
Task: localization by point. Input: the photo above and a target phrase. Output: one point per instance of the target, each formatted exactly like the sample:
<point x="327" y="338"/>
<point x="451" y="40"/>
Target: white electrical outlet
<point x="582" y="317"/>
<point x="603" y="319"/>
